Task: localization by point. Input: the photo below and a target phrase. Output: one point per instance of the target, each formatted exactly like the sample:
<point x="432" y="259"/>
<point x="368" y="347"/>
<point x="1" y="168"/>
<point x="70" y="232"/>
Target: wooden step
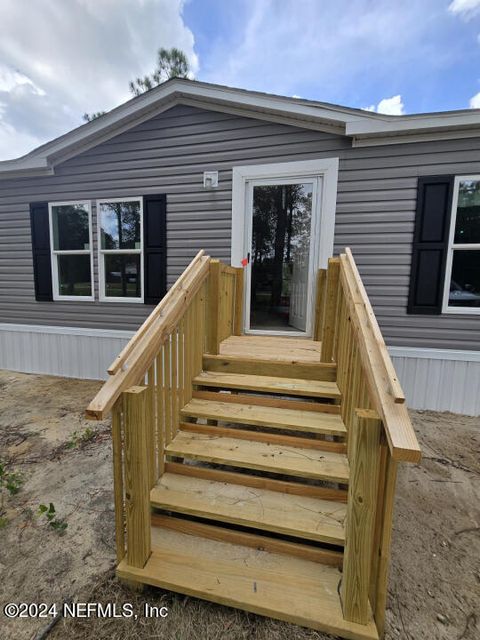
<point x="273" y="417"/>
<point x="260" y="541"/>
<point x="272" y="458"/>
<point x="270" y="584"/>
<point x="301" y="517"/>
<point x="262" y="367"/>
<point x="269" y="384"/>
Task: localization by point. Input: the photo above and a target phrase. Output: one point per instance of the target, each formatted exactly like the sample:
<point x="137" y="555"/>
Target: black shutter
<point x="430" y="244"/>
<point x="42" y="269"/>
<point x="154" y="248"/>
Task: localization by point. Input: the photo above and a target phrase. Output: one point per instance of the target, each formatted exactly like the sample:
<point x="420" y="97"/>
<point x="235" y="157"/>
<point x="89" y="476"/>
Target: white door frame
<point x="324" y="168"/>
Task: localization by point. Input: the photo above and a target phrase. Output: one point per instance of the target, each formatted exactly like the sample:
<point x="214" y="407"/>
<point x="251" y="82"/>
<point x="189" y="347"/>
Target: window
<point x="71" y="242"/>
<point x="120" y="249"/>
<point x="462" y="282"/>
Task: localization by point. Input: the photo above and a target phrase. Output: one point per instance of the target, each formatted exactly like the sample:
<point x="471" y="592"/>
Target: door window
<point x="280" y="256"/>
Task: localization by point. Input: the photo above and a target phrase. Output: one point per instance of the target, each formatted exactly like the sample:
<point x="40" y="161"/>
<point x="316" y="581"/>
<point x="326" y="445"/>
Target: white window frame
<point x="452" y="246"/>
<point x="54" y="253"/>
<point x="102" y="252"/>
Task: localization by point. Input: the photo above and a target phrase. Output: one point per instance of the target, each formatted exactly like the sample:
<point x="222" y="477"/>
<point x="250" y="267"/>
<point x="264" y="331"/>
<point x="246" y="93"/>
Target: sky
<point x="62" y="58"/>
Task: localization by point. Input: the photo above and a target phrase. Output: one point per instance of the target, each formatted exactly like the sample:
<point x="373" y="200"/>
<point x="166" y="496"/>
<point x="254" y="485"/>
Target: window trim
<point x="446" y="308"/>
<point x="54" y="253"/>
<point x="102" y="252"/>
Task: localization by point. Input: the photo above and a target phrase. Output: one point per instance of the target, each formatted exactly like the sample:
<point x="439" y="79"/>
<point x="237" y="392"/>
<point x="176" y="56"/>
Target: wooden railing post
<point x="213" y="320"/>
<point x="381" y="552"/>
<point x="238" y="308"/>
<point x="137" y="490"/>
<point x="360" y="523"/>
<point x="320" y="304"/>
<point x="330" y="320"/>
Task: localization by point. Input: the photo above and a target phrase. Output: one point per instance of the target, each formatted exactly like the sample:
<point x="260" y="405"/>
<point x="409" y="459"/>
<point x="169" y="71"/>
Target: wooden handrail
<point x="385" y="391"/>
<point x="137" y="361"/>
<point x="120" y="360"/>
<point x="394" y="384"/>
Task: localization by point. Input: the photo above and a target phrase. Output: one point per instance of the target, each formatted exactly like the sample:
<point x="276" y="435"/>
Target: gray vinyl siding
<point x="168" y="154"/>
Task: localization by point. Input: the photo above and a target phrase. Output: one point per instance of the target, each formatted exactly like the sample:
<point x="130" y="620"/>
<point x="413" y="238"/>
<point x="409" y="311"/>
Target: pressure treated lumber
<point x="269" y="384"/>
<point x="362" y="496"/>
<point x="320" y="300"/>
<point x="256" y="541"/>
<point x="267" y="401"/>
<point x="261" y="436"/>
<point x="272" y="417"/>
<point x="238" y="309"/>
<point x="394" y="384"/>
<point x="293" y="461"/>
<point x="270" y="584"/>
<point x="264" y="367"/>
<point x="329" y="319"/>
<point x="213" y="308"/>
<point x="137" y="489"/>
<point x="258" y="482"/>
<point x="118" y="493"/>
<point x="301" y="517"/>
<point x="278" y="348"/>
<point x="398" y="427"/>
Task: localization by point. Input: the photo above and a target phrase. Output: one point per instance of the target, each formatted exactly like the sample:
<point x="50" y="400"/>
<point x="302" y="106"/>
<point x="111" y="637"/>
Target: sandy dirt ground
<point x="434" y="590"/>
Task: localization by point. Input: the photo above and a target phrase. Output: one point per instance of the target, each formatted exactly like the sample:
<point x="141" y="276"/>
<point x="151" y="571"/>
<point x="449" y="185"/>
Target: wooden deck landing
<point x="280" y="348"/>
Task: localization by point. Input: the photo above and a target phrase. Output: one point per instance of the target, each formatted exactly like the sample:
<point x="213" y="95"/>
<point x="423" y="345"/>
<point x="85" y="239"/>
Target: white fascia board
<point x="398" y="125"/>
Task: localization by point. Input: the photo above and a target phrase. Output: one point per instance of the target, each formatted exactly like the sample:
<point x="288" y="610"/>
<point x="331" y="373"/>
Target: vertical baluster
<point x="168" y="390"/>
<point x="151" y="426"/>
<point x="160" y="397"/>
<point x="117" y="437"/>
<point x="175" y="412"/>
<point x="189" y="319"/>
<point x="181" y="368"/>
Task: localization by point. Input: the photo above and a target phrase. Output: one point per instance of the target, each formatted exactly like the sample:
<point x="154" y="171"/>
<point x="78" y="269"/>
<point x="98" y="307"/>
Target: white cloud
<point x="60" y="59"/>
<point x="475" y="101"/>
<point x="465" y="8"/>
<point x="389" y="106"/>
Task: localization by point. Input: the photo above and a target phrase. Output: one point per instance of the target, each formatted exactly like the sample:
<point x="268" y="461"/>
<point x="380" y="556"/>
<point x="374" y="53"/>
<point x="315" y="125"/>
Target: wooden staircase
<point x="254" y="475"/>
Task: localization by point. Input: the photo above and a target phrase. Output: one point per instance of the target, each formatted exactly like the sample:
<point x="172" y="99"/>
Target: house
<point x="97" y="224"/>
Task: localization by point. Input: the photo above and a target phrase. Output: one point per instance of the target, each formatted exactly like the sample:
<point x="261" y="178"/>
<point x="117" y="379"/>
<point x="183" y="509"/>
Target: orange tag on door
<point x="244" y="262"/>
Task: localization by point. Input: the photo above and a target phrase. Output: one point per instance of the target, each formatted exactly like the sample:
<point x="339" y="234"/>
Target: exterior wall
<point x="168" y="154"/>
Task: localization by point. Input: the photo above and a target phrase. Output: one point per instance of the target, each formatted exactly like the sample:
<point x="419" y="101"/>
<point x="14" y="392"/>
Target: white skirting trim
<point x="439" y="379"/>
<point x="73" y="352"/>
<point x="436" y="379"/>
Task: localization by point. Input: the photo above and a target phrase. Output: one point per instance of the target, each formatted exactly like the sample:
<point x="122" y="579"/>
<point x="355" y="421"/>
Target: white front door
<point x="281" y="245"/>
<point x="283" y="218"/>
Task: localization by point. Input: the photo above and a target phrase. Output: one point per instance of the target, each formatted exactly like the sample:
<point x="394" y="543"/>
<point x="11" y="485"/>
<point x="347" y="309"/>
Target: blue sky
<point x="351" y="52"/>
<point x="61" y="58"/>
